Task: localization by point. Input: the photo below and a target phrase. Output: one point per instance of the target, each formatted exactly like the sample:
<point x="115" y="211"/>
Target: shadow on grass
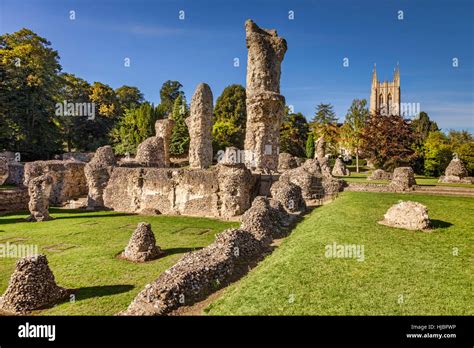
<point x="86" y="216"/>
<point x="437" y="224"/>
<point x="172" y="251"/>
<point x="100" y="291"/>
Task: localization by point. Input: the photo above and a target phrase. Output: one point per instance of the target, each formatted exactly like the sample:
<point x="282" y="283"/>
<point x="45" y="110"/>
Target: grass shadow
<point x="100" y="291"/>
<point x="172" y="251"/>
<point x="437" y="224"/>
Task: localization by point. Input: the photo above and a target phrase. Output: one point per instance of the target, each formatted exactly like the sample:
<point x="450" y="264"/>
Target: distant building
<point x="385" y="96"/>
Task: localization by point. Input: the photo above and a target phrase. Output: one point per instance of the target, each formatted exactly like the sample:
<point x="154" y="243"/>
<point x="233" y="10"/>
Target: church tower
<point x="385" y="96"/>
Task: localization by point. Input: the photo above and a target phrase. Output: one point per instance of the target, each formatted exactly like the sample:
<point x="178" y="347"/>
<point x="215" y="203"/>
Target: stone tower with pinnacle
<point x="385" y="96"/>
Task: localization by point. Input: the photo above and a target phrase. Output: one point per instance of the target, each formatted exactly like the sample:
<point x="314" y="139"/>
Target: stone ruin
<point x="340" y="168"/>
<point x="142" y="245"/>
<point x="290" y="196"/>
<point x="287" y="161"/>
<point x="403" y="179"/>
<point x="407" y="215"/>
<point x="456" y="172"/>
<point x="320" y="155"/>
<point x="97" y="173"/>
<point x="202" y="272"/>
<point x="200" y="127"/>
<point x="265" y="104"/>
<point x="313" y="182"/>
<point x="380" y="174"/>
<point x="69" y="181"/>
<point x="222" y="191"/>
<point x="39" y="190"/>
<point x="32" y="286"/>
<point x="4" y="172"/>
<point x="154" y="151"/>
<point x="196" y="274"/>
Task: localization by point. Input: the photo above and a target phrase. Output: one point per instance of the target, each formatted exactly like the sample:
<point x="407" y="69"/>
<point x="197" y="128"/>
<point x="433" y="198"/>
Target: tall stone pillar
<point x="265" y="105"/>
<point x="200" y="128"/>
<point x="163" y="130"/>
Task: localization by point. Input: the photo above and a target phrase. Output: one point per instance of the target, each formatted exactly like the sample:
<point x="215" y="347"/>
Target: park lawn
<point x="403" y="272"/>
<point x="90" y="241"/>
<point x="420" y="180"/>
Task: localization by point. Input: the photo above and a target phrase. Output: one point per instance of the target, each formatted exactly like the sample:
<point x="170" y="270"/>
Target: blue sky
<point x="202" y="47"/>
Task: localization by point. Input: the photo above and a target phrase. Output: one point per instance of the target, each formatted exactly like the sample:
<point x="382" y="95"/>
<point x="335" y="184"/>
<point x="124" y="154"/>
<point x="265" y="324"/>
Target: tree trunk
<point x="357" y="160"/>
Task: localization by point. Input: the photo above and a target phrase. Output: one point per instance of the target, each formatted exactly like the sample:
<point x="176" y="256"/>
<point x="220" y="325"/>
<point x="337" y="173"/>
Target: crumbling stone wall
<point x="403" y="179"/>
<point x="97" y="173"/>
<point x="380" y="174"/>
<point x="286" y="161"/>
<point x="15" y="199"/>
<point x="4" y="172"/>
<point x="154" y="151"/>
<point x="202" y="272"/>
<point x="340" y="168"/>
<point x="223" y="191"/>
<point x="456" y="172"/>
<point x="200" y="127"/>
<point x="265" y="105"/>
<point x="69" y="181"/>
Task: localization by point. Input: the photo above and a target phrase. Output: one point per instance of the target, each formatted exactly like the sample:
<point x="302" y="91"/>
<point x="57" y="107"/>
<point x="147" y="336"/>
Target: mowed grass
<point x="403" y="273"/>
<point x="420" y="179"/>
<point x="82" y="246"/>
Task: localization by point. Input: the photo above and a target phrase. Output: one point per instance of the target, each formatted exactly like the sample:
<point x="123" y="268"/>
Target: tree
<point x="310" y="146"/>
<point x="73" y="129"/>
<point x="462" y="143"/>
<point x="388" y="141"/>
<point x="169" y="92"/>
<point x="324" y="124"/>
<point x="179" y="144"/>
<point x="105" y="99"/>
<point x="351" y="133"/>
<point x="423" y="125"/>
<point x="128" y="97"/>
<point x="29" y="81"/>
<point x="134" y="127"/>
<point x="293" y="134"/>
<point x="230" y="116"/>
<point x="437" y="153"/>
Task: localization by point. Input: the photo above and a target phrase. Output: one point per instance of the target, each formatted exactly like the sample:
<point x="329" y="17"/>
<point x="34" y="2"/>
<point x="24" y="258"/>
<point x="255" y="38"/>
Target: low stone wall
<point x="223" y="191"/>
<point x="198" y="274"/>
<point x="69" y="181"/>
<point x="12" y="200"/>
<point x="366" y="187"/>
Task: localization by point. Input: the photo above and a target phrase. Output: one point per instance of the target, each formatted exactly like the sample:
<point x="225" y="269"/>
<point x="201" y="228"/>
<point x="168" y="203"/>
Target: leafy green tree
<point x="29" y="81"/>
<point x="310" y="145"/>
<point x="105" y="99"/>
<point x="128" y="97"/>
<point x="356" y="120"/>
<point x="169" y="92"/>
<point x="179" y="144"/>
<point x="324" y="123"/>
<point x="73" y="129"/>
<point x="423" y="125"/>
<point x="293" y="134"/>
<point x="134" y="127"/>
<point x="437" y="153"/>
<point x="462" y="143"/>
<point x="230" y="116"/>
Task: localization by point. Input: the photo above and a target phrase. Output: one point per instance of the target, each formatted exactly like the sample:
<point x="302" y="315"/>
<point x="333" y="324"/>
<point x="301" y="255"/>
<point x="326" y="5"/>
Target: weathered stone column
<point x="265" y="105"/>
<point x="163" y="129"/>
<point x="200" y="127"/>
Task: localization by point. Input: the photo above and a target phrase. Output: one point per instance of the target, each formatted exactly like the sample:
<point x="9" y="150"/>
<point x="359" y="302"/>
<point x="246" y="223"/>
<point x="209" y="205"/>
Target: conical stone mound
<point x="141" y="246"/>
<point x="32" y="286"/>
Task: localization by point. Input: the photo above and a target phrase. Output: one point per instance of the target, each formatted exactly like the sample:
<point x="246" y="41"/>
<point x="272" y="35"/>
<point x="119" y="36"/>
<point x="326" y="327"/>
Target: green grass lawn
<point x="403" y="273"/>
<point x="420" y="179"/>
<point x="81" y="249"/>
